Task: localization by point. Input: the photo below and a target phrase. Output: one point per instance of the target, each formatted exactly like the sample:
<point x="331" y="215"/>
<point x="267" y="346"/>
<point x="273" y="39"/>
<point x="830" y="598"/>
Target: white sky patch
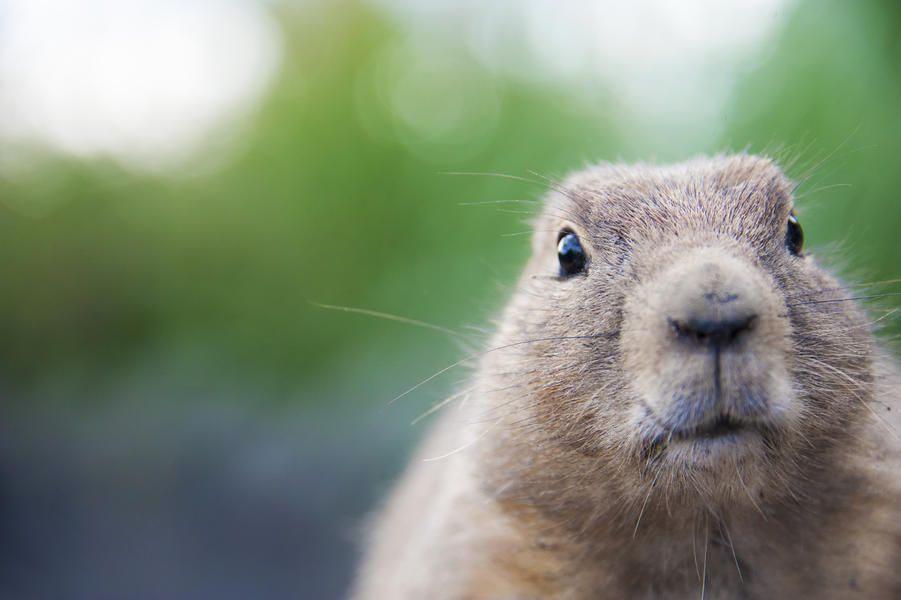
<point x="142" y="81"/>
<point x="146" y="82"/>
<point x="669" y="66"/>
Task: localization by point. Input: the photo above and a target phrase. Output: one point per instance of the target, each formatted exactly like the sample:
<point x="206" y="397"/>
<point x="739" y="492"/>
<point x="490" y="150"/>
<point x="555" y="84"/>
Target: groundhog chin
<point x="726" y="463"/>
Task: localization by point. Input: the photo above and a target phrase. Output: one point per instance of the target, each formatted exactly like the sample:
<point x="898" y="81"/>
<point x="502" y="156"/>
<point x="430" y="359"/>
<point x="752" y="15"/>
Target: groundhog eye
<point x="570" y="254"/>
<point x="794" y="235"/>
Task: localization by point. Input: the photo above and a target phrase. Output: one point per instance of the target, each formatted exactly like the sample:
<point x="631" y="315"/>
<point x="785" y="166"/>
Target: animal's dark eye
<point x="794" y="236"/>
<point x="570" y="254"/>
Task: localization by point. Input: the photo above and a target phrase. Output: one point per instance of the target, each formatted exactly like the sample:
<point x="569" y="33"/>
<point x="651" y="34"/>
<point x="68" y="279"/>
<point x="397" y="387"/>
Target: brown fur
<point x="554" y="480"/>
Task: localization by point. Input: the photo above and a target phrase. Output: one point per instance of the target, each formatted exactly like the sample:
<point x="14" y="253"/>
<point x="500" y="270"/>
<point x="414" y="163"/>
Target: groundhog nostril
<point x="720" y="298"/>
<point x="714" y="328"/>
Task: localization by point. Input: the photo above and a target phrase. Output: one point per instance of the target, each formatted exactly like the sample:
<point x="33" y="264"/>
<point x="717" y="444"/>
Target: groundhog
<point x="678" y="402"/>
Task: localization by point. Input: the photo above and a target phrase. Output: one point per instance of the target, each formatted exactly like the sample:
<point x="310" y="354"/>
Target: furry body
<point x="575" y="467"/>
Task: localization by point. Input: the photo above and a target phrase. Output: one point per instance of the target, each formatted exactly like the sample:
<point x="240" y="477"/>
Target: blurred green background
<point x="176" y="411"/>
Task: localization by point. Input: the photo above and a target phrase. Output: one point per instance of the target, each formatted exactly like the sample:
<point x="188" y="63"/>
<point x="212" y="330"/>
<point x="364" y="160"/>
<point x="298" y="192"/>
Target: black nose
<point x="717" y="328"/>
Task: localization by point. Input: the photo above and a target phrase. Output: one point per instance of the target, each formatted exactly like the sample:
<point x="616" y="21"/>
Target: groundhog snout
<point x="705" y="339"/>
<point x="713" y="305"/>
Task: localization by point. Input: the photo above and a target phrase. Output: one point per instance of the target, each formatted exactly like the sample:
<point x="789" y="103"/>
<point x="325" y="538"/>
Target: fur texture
<point x="581" y="463"/>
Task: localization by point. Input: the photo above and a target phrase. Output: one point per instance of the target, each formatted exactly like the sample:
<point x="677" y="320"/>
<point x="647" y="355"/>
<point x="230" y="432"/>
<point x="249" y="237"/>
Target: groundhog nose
<point x="712" y="302"/>
<point x="718" y="327"/>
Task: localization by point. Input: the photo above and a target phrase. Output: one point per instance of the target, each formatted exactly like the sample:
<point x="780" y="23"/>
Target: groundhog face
<point x="670" y="322"/>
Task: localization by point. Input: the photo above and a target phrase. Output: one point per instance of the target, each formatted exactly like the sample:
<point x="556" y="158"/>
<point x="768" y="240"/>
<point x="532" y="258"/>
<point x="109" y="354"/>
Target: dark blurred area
<point x="178" y="417"/>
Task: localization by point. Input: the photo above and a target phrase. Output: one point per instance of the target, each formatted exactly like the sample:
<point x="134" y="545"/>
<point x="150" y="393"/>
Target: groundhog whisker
<point x="724" y="530"/>
<point x="694" y="548"/>
<point x="854" y="382"/>
<point x="567" y="214"/>
<point x="492" y="174"/>
<point x="849" y="287"/>
<point x="389" y="317"/>
<point x="890" y="312"/>
<point x="556" y="188"/>
<point x="706" y="543"/>
<point x="441" y="405"/>
<point x="490" y="350"/>
<point x="812" y="168"/>
<point x="744" y="487"/>
<point x="488" y="202"/>
<point x="510" y="211"/>
<point x="821" y="189"/>
<point x="852" y="299"/>
<point x="466" y="445"/>
<point x="644" y="505"/>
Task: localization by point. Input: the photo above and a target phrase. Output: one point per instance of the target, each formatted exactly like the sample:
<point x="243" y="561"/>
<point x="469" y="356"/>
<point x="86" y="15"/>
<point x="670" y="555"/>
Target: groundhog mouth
<point x="725" y="433"/>
<point x="721" y="428"/>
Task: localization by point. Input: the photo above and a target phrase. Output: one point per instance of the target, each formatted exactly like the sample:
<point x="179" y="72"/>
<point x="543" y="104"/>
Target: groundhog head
<point x="672" y="337"/>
